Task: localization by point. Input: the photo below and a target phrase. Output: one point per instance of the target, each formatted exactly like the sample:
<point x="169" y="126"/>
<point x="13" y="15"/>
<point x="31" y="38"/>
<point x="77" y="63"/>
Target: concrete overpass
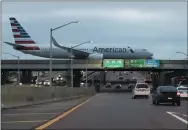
<point x="58" y="65"/>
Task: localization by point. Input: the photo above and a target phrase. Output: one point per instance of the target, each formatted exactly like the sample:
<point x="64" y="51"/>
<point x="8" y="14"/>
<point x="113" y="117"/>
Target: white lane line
<point x="10" y="122"/>
<point x="179" y="114"/>
<point x="27" y="109"/>
<point x="177" y="117"/>
<point x="19" y="114"/>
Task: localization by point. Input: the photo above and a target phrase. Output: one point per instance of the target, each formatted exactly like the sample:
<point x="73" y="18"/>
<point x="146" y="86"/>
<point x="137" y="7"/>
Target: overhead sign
<point x="152" y="63"/>
<point x="113" y="63"/>
<point x="136" y="63"/>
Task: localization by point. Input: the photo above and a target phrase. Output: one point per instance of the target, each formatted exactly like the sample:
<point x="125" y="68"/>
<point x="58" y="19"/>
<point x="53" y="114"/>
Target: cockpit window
<point x="144" y="49"/>
<point x="131" y="50"/>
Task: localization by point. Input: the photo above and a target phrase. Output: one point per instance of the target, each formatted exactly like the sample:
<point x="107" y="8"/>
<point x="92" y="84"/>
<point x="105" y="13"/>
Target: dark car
<point x="108" y="85"/>
<point x="166" y="94"/>
<point x="118" y="86"/>
<point x="120" y="77"/>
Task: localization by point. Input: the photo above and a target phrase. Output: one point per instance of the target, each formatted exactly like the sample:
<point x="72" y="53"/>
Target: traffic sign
<point x="113" y="63"/>
<point x="136" y="63"/>
<point x="152" y="63"/>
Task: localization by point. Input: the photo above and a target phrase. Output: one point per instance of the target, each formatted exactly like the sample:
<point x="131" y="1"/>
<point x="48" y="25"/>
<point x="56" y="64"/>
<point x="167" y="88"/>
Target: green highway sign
<point x="113" y="63"/>
<point x="136" y="63"/>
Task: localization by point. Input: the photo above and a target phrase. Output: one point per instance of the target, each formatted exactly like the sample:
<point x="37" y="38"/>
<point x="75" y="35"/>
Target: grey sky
<point x="159" y="27"/>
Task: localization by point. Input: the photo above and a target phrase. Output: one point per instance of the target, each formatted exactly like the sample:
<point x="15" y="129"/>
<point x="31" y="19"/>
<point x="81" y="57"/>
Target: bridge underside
<point x="104" y="69"/>
<point x="160" y="76"/>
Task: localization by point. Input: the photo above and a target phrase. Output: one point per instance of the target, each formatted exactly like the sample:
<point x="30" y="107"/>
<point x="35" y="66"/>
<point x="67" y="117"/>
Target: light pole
<point x="51" y="30"/>
<point x="87" y="64"/>
<point x="182" y="53"/>
<point x="72" y="47"/>
<point x="18" y="80"/>
<point x="185" y="55"/>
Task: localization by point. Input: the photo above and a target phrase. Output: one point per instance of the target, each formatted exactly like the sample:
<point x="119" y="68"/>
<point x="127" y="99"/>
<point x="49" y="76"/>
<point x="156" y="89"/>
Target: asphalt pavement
<point x="31" y="116"/>
<point x="103" y="111"/>
<point x="120" y="111"/>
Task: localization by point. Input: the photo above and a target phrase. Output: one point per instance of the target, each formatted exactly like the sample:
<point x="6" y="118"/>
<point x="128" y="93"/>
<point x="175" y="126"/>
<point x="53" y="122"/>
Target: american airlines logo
<point x="100" y="50"/>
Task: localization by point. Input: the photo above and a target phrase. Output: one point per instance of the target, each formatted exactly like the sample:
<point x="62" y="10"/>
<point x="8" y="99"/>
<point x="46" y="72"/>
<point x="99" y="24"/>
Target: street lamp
<point x="72" y="47"/>
<point x="18" y="81"/>
<point x="87" y="64"/>
<point x="51" y="30"/>
<point x="182" y="53"/>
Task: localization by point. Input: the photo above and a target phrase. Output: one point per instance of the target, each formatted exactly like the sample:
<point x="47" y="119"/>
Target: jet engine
<point x="95" y="56"/>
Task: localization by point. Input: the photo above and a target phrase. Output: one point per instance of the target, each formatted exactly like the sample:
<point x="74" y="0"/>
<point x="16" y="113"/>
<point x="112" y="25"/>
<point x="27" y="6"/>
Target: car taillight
<point x="178" y="93"/>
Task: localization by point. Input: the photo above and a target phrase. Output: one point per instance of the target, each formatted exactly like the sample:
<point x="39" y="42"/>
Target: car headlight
<point x="61" y="78"/>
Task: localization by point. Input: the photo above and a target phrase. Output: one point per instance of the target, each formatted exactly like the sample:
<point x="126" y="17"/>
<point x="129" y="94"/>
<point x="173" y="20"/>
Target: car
<point x="120" y="77"/>
<point x="46" y="83"/>
<point x="130" y="86"/>
<point x="183" y="92"/>
<point x="141" y="89"/>
<point x="166" y="94"/>
<point x="118" y="86"/>
<point x="108" y="85"/>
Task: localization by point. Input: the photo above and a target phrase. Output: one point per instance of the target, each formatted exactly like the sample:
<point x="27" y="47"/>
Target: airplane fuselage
<point x="108" y="53"/>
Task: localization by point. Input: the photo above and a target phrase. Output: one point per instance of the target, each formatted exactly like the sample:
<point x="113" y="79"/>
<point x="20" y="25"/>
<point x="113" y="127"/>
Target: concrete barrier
<point x="28" y="95"/>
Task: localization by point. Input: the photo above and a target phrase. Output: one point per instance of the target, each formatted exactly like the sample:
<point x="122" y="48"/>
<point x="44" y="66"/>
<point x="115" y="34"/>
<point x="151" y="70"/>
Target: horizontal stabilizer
<point x="14" y="45"/>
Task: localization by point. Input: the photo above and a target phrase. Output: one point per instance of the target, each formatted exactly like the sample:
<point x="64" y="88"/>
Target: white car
<point x="183" y="91"/>
<point x="141" y="89"/>
<point x="46" y="82"/>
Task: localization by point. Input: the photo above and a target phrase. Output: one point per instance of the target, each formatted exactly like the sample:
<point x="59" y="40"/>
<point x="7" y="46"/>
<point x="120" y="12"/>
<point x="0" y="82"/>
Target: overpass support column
<point x="26" y="76"/>
<point x="155" y="81"/>
<point x="4" y="77"/>
<point x="77" y="78"/>
<point x="68" y="77"/>
<point x="102" y="77"/>
<point x="162" y="78"/>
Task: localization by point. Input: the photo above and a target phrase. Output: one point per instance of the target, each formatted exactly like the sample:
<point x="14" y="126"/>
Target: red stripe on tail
<point x="13" y="24"/>
<point x="15" y="30"/>
<point x="17" y="36"/>
<point x="24" y="42"/>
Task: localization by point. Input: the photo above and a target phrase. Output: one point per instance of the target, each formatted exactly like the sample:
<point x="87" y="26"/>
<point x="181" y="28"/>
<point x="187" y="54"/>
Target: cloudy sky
<point x="159" y="27"/>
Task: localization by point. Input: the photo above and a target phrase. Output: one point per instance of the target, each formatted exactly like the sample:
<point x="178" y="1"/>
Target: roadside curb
<point x="45" y="102"/>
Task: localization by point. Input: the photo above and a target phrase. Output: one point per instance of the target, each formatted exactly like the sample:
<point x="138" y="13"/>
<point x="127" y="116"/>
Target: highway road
<point x="102" y="111"/>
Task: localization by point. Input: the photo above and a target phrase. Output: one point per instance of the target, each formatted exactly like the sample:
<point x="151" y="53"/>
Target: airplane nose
<point x="151" y="55"/>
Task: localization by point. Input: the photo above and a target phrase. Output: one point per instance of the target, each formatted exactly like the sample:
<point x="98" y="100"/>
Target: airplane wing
<point x="74" y="51"/>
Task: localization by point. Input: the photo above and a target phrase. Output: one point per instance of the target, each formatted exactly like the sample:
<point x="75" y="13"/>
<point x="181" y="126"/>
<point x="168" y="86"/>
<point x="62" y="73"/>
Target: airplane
<point x="25" y="44"/>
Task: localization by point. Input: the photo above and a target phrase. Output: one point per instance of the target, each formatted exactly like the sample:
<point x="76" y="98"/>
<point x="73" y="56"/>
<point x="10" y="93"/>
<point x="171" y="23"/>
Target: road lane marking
<point x="10" y="122"/>
<point x="177" y="117"/>
<point x="50" y="122"/>
<point x="18" y="114"/>
<point x="179" y="114"/>
<point x="26" y="109"/>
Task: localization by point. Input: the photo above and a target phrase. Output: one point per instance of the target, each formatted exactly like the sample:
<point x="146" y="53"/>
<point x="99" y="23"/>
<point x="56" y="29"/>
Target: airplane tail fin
<point x="19" y="33"/>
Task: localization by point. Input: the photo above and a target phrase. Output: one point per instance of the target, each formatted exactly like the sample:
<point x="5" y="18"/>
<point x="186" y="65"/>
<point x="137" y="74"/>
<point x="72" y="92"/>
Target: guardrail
<point x="81" y="64"/>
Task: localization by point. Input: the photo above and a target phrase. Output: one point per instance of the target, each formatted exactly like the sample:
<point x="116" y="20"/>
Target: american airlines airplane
<point x="25" y="44"/>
